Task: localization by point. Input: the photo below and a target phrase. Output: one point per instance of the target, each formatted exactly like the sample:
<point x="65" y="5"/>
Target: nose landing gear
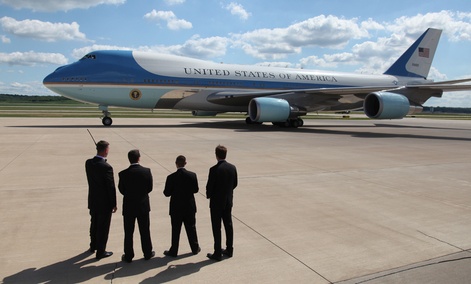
<point x="106" y="119"/>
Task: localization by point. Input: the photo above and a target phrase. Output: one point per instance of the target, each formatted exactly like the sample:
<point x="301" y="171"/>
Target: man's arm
<point x="168" y="190"/>
<point x="110" y="185"/>
<point x="210" y="183"/>
<point x="150" y="182"/>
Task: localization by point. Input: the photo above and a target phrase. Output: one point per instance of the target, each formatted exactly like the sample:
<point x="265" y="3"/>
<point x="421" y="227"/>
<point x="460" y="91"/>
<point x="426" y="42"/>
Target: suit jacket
<point x="222" y="180"/>
<point x="181" y="187"/>
<point x="135" y="183"/>
<point x="101" y="186"/>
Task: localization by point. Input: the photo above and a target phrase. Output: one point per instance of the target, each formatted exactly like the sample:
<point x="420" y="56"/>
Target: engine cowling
<point x="269" y="110"/>
<point x="384" y="105"/>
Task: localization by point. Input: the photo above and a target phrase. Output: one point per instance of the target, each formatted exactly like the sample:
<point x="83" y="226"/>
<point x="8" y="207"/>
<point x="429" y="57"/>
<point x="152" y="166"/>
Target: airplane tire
<point x="294" y="123"/>
<point x="107" y="121"/>
<point x="300" y="122"/>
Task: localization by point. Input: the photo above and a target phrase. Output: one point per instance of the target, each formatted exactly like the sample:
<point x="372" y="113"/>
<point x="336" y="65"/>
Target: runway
<point x="335" y="201"/>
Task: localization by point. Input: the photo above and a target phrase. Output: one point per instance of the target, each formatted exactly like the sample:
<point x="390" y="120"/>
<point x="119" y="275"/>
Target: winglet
<point x="417" y="60"/>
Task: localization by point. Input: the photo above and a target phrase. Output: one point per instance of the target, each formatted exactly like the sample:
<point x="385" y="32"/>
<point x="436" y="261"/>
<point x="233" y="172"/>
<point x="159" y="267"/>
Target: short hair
<point x="101" y="146"/>
<point x="180" y="161"/>
<point x="221" y="152"/>
<point x="134" y="156"/>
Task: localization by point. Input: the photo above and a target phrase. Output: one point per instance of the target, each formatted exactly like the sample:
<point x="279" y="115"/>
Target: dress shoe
<point x="169" y="253"/>
<point x="152" y="254"/>
<point x="91" y="250"/>
<point x="196" y="251"/>
<point x="214" y="256"/>
<point x="227" y="252"/>
<point x="105" y="254"/>
<point x="125" y="259"/>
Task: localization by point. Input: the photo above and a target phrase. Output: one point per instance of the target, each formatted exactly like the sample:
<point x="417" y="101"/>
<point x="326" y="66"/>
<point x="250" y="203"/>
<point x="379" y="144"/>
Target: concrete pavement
<point x="336" y="201"/>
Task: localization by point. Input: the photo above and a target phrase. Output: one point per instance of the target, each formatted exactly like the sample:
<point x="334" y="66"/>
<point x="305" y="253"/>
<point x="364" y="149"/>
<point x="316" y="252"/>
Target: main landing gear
<point x="106" y="119"/>
<point x="290" y="122"/>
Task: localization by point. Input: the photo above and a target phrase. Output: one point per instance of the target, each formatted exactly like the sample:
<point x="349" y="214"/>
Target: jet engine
<point x="385" y="105"/>
<point x="272" y="110"/>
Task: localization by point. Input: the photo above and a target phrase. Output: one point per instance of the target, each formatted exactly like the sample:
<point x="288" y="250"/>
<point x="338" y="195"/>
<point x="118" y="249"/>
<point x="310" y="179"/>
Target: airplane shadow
<point x="76" y="269"/>
<point x="241" y="126"/>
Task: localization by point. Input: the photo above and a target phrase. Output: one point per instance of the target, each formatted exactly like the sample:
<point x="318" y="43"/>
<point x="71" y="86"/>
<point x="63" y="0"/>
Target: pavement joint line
<point x="432" y="237"/>
<point x="412" y="268"/>
<point x="282" y="249"/>
<point x="20" y="154"/>
<point x="142" y="152"/>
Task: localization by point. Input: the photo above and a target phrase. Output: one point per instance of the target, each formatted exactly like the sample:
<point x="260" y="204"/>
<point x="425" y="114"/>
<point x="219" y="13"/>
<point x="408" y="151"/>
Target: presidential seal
<point x="135" y="94"/>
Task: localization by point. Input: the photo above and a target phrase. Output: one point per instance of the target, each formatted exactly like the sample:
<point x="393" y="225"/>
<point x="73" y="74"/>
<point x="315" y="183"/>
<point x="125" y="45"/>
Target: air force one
<point x="267" y="94"/>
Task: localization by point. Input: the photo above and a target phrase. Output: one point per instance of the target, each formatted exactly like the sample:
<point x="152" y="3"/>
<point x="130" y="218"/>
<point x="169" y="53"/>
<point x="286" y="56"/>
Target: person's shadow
<point x="70" y="270"/>
<point x="174" y="272"/>
<point x="171" y="273"/>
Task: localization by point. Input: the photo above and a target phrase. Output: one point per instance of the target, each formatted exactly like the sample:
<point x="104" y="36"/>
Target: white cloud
<point x="455" y="25"/>
<point x="374" y="57"/>
<point x="196" y="47"/>
<point x="5" y="39"/>
<point x="173" y="22"/>
<point x="34" y="88"/>
<point x="45" y="31"/>
<point x="238" y="10"/>
<point x="202" y="47"/>
<point x="31" y="58"/>
<point x="174" y="2"/>
<point x="321" y="31"/>
<point x="80" y="52"/>
<point x="54" y="5"/>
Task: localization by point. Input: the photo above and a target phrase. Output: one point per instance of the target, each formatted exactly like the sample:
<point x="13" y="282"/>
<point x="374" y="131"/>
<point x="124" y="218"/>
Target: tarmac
<point x="335" y="201"/>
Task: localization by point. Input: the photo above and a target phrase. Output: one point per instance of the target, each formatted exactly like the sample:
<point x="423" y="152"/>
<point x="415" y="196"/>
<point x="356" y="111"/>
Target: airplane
<point x="136" y="79"/>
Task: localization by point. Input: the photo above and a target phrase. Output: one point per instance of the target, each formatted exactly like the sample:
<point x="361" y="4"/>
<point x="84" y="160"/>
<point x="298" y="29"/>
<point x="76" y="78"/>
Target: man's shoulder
<point x="123" y="172"/>
<point x="97" y="162"/>
<point x="225" y="163"/>
<point x="135" y="168"/>
<point x="189" y="173"/>
<point x="185" y="170"/>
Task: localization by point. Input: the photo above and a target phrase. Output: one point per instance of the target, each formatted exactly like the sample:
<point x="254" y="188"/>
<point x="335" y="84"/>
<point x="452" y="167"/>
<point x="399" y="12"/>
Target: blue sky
<point x="362" y="36"/>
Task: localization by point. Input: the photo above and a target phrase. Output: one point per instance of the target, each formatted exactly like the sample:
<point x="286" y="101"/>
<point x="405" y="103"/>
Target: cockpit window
<point x="89" y="56"/>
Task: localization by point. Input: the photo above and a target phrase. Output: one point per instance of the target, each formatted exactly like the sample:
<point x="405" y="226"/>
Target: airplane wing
<point x="241" y="98"/>
<point x="417" y="92"/>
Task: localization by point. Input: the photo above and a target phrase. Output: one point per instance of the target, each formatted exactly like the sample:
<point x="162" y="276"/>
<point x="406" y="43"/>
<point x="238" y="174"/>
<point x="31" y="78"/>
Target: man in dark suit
<point x="135" y="184"/>
<point x="101" y="199"/>
<point x="222" y="180"/>
<point x="181" y="187"/>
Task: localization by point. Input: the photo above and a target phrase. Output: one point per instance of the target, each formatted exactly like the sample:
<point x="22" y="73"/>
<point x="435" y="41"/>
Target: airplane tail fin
<point x="417" y="60"/>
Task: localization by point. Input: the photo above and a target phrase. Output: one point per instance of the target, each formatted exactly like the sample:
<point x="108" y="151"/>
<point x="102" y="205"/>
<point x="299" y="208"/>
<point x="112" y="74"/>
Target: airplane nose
<point x="54" y="77"/>
<point x="47" y="79"/>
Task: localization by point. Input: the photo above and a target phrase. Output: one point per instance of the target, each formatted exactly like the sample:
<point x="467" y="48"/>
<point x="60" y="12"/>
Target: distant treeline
<point x="18" y="99"/>
<point x="462" y="110"/>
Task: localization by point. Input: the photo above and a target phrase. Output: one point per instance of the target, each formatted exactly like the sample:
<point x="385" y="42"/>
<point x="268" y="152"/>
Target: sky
<point x="361" y="36"/>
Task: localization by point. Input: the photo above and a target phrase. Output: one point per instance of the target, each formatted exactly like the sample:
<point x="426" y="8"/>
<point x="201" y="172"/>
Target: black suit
<point x="222" y="180"/>
<point x="135" y="183"/>
<point x="101" y="201"/>
<point x="181" y="187"/>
